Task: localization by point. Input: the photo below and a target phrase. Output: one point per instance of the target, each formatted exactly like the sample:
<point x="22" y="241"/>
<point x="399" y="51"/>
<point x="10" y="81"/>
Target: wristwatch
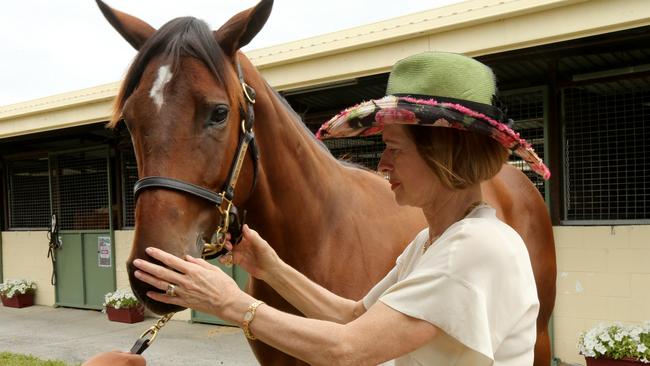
<point x="248" y="318"/>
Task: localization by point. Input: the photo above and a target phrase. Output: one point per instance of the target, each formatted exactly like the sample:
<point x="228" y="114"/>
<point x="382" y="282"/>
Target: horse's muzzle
<point x="140" y="290"/>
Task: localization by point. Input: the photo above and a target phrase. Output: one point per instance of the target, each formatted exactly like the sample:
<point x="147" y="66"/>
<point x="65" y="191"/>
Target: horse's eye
<point x="218" y="115"/>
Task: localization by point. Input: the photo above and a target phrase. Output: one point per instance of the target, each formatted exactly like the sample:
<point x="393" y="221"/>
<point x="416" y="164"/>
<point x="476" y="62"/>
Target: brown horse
<point x="337" y="224"/>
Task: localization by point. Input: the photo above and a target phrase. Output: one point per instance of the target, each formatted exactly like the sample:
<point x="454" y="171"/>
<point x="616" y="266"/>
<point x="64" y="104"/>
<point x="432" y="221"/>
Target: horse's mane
<point x="298" y="119"/>
<point x="185" y="36"/>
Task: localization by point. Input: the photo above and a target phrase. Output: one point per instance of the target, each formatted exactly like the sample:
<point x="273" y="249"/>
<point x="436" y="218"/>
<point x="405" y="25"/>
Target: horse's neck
<point x="298" y="177"/>
<point x="293" y="162"/>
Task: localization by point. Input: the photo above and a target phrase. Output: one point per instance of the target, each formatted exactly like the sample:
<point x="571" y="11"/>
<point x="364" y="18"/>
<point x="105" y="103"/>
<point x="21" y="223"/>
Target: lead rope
<point x="147" y="338"/>
<point x="54" y="244"/>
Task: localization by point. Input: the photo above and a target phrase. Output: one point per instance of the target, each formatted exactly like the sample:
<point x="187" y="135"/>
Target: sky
<point x="49" y="47"/>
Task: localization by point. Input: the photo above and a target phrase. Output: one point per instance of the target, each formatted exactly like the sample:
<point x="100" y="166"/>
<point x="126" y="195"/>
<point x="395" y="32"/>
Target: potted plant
<point x="123" y="306"/>
<point x="17" y="293"/>
<point x="616" y="344"/>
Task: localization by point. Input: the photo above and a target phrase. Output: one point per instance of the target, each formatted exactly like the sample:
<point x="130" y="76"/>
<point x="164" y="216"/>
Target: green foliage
<point x="14" y="359"/>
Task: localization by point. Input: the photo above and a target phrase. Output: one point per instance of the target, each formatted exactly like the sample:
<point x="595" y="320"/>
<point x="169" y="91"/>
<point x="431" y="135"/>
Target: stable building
<point x="574" y="75"/>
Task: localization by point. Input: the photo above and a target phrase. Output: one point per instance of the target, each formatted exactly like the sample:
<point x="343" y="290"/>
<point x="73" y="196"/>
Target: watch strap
<point x="248" y="318"/>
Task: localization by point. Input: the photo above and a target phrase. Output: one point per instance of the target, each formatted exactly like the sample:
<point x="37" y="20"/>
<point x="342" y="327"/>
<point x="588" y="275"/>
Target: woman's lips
<point x="394" y="185"/>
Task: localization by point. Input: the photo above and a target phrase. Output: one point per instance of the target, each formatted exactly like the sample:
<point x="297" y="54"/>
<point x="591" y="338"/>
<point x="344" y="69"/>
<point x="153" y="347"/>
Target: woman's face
<point x="411" y="179"/>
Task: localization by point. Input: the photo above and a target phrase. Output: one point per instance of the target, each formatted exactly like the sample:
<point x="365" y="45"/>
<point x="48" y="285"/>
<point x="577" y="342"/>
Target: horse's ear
<point x="243" y="27"/>
<point x="134" y="30"/>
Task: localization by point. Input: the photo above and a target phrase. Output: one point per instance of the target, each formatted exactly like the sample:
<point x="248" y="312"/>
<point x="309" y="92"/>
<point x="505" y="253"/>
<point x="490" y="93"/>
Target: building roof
<point x="474" y="28"/>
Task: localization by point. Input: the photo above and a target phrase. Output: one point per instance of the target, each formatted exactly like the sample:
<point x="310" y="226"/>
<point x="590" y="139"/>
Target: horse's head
<point x="182" y="103"/>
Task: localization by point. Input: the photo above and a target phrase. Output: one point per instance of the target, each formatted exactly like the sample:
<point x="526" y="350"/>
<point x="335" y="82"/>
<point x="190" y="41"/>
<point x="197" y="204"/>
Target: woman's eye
<point x="218" y="115"/>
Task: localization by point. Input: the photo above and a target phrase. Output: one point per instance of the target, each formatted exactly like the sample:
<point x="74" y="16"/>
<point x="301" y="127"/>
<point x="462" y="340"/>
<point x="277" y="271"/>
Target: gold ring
<point x="171" y="290"/>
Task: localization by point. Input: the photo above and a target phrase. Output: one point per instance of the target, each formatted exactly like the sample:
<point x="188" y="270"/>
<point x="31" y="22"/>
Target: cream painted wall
<point x="123" y="240"/>
<point x="24" y="255"/>
<point x="603" y="275"/>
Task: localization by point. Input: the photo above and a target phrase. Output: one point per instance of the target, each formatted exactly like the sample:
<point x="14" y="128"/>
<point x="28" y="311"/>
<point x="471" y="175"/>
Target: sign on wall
<point x="104" y="251"/>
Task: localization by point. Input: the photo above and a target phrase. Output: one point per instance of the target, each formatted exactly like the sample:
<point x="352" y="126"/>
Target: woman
<point x="462" y="293"/>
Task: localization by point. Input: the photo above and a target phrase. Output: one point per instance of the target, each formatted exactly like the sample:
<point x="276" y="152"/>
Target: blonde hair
<point x="459" y="158"/>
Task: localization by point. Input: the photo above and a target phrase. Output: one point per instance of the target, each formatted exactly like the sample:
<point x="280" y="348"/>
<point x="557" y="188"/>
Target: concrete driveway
<point x="74" y="335"/>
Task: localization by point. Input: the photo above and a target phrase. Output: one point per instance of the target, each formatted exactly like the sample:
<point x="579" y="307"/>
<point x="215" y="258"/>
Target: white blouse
<point x="476" y="284"/>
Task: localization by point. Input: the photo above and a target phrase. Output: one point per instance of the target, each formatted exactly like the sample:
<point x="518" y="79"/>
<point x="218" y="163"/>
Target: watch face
<point x="248" y="316"/>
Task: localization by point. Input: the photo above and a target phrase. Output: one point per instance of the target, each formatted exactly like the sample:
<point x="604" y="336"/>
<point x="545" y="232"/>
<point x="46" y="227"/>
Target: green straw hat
<point x="436" y="89"/>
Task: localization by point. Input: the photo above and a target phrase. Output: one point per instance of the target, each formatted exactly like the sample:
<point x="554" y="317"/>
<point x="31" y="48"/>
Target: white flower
<point x="121" y="298"/>
<point x="19" y="286"/>
<point x="618" y="336"/>
<point x="605" y="337"/>
<point x="601" y="349"/>
<point x="617" y="341"/>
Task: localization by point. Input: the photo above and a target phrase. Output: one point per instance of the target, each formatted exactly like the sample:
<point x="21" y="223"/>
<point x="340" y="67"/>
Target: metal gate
<point x="1" y="219"/>
<point x="1" y="270"/>
<point x="81" y="203"/>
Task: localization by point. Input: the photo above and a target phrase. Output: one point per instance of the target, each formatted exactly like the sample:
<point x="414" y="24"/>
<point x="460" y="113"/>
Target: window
<point x="28" y="194"/>
<point x="606" y="149"/>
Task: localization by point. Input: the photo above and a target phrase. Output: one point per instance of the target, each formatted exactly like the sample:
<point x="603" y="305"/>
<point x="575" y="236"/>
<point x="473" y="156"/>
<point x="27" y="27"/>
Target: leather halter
<point x="229" y="219"/>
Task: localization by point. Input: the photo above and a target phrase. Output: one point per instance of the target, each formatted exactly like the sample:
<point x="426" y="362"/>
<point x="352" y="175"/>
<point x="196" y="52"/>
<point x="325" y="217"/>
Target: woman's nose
<point x="385" y="164"/>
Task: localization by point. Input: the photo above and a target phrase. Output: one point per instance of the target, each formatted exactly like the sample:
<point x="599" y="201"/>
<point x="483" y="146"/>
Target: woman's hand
<point x="254" y="255"/>
<point x="197" y="284"/>
<point x="115" y="358"/>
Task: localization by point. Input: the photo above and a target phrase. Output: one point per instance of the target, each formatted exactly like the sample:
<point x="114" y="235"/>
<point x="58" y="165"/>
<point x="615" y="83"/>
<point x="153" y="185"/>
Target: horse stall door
<point x="241" y="278"/>
<point x="81" y="204"/>
<point x="3" y="189"/>
<point x="1" y="270"/>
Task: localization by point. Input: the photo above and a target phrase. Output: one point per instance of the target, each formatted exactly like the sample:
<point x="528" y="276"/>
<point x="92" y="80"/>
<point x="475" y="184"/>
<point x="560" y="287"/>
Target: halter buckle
<point x="249" y="92"/>
<point x="219" y="234"/>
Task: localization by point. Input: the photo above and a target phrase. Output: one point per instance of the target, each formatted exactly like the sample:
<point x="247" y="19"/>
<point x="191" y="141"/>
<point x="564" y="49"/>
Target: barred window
<point x="526" y="109"/>
<point x="29" y="194"/>
<point x="606" y="149"/>
<point x="365" y="151"/>
<point x="80" y="197"/>
<point x="129" y="177"/>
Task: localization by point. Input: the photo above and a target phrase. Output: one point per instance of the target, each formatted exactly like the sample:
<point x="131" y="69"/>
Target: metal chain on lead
<point x="143" y="343"/>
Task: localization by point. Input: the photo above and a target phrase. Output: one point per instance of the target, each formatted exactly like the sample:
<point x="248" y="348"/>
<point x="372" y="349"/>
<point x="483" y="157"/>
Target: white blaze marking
<point x="157" y="92"/>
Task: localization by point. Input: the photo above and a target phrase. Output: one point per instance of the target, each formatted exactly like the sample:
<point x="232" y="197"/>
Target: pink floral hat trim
<point x="369" y="118"/>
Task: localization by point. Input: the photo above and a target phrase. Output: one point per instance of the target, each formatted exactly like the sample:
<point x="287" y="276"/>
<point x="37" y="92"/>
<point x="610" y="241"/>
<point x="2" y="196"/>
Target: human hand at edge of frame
<point x="253" y="254"/>
<point x="115" y="358"/>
